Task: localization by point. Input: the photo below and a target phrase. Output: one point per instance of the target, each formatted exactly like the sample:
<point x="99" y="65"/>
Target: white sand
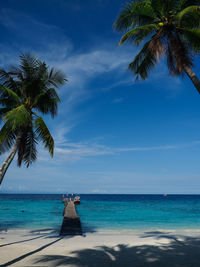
<point x="134" y="248"/>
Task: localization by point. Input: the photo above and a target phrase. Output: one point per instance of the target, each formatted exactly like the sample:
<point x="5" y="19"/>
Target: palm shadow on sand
<point x="47" y="233"/>
<point x="36" y="234"/>
<point x="184" y="253"/>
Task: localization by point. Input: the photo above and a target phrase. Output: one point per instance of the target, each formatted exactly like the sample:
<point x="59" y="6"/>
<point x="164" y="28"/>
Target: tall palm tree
<point x="169" y="28"/>
<point x="25" y="91"/>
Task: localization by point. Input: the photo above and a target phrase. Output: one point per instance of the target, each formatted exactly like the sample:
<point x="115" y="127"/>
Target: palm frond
<point x="7" y="102"/>
<point x="5" y="92"/>
<point x="7" y="138"/>
<point x="143" y="62"/>
<point x="44" y="134"/>
<point x="24" y="89"/>
<point x="185" y="3"/>
<point x="30" y="154"/>
<point x="158" y="7"/>
<point x="21" y="147"/>
<point x="190" y="11"/>
<point x="47" y="102"/>
<point x="56" y="78"/>
<point x="170" y="7"/>
<point x="138" y="34"/>
<point x="192" y="37"/>
<point x="176" y="37"/>
<point x="17" y="118"/>
<point x="28" y="63"/>
<point x="7" y="80"/>
<point x="27" y="151"/>
<point x="134" y="13"/>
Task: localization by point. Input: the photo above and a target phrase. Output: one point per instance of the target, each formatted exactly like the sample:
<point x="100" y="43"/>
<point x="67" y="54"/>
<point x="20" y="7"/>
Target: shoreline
<point x="100" y="231"/>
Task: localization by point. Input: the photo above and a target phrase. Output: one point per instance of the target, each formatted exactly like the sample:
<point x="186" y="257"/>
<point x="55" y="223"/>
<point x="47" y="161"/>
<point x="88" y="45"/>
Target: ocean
<point x="100" y="212"/>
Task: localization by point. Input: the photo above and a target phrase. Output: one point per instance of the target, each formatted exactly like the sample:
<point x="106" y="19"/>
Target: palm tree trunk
<point x="9" y="159"/>
<point x="190" y="73"/>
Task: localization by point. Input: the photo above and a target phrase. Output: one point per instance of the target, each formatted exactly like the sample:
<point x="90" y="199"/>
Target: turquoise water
<point x="102" y="212"/>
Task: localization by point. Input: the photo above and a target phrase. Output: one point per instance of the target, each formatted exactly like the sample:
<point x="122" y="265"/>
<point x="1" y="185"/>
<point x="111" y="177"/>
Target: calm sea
<point x="102" y="212"/>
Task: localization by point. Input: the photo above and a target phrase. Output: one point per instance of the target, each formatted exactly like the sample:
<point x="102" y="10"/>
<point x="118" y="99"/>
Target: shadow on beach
<point x="177" y="253"/>
<point x="44" y="233"/>
<point x="181" y="251"/>
<point x="29" y="253"/>
<point x="89" y="230"/>
<point x="39" y="233"/>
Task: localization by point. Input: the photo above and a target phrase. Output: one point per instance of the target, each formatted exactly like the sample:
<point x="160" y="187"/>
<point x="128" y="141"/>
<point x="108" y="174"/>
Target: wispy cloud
<point x="51" y="44"/>
<point x="88" y="150"/>
<point x="67" y="151"/>
<point x="81" y="68"/>
<point x="29" y="28"/>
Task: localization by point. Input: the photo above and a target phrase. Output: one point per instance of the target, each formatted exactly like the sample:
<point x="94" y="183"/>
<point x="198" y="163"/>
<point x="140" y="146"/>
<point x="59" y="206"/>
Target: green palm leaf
<point x="138" y="34"/>
<point x="30" y="86"/>
<point x="185" y="3"/>
<point x="143" y="62"/>
<point x="47" y="102"/>
<point x="190" y="10"/>
<point x="135" y="13"/>
<point x="27" y="151"/>
<point x="28" y="63"/>
<point x="7" y="80"/>
<point x="7" y="93"/>
<point x="7" y="138"/>
<point x="170" y="29"/>
<point x="44" y="134"/>
<point x="17" y="118"/>
<point x="192" y="36"/>
<point x="56" y="78"/>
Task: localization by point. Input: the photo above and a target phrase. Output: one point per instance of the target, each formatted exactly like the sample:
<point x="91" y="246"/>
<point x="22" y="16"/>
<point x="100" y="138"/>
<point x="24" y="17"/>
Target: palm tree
<point x="25" y="91"/>
<point x="169" y="28"/>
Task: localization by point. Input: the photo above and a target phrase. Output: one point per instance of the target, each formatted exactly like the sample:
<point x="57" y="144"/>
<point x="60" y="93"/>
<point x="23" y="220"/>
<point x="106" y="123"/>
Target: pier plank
<point x="71" y="224"/>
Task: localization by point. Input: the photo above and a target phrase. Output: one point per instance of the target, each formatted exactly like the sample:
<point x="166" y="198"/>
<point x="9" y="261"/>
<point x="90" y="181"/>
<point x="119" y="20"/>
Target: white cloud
<point x="51" y="44"/>
<point x="84" y="150"/>
<point x="67" y="151"/>
<point x="81" y="67"/>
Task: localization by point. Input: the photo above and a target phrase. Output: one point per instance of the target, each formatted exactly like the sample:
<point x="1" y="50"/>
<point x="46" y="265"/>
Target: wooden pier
<point x="71" y="224"/>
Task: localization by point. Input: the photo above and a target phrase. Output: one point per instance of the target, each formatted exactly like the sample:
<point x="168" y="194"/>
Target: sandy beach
<point x="134" y="248"/>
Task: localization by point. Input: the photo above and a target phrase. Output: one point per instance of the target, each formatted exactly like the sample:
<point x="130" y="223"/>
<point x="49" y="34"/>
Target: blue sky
<point x="112" y="134"/>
